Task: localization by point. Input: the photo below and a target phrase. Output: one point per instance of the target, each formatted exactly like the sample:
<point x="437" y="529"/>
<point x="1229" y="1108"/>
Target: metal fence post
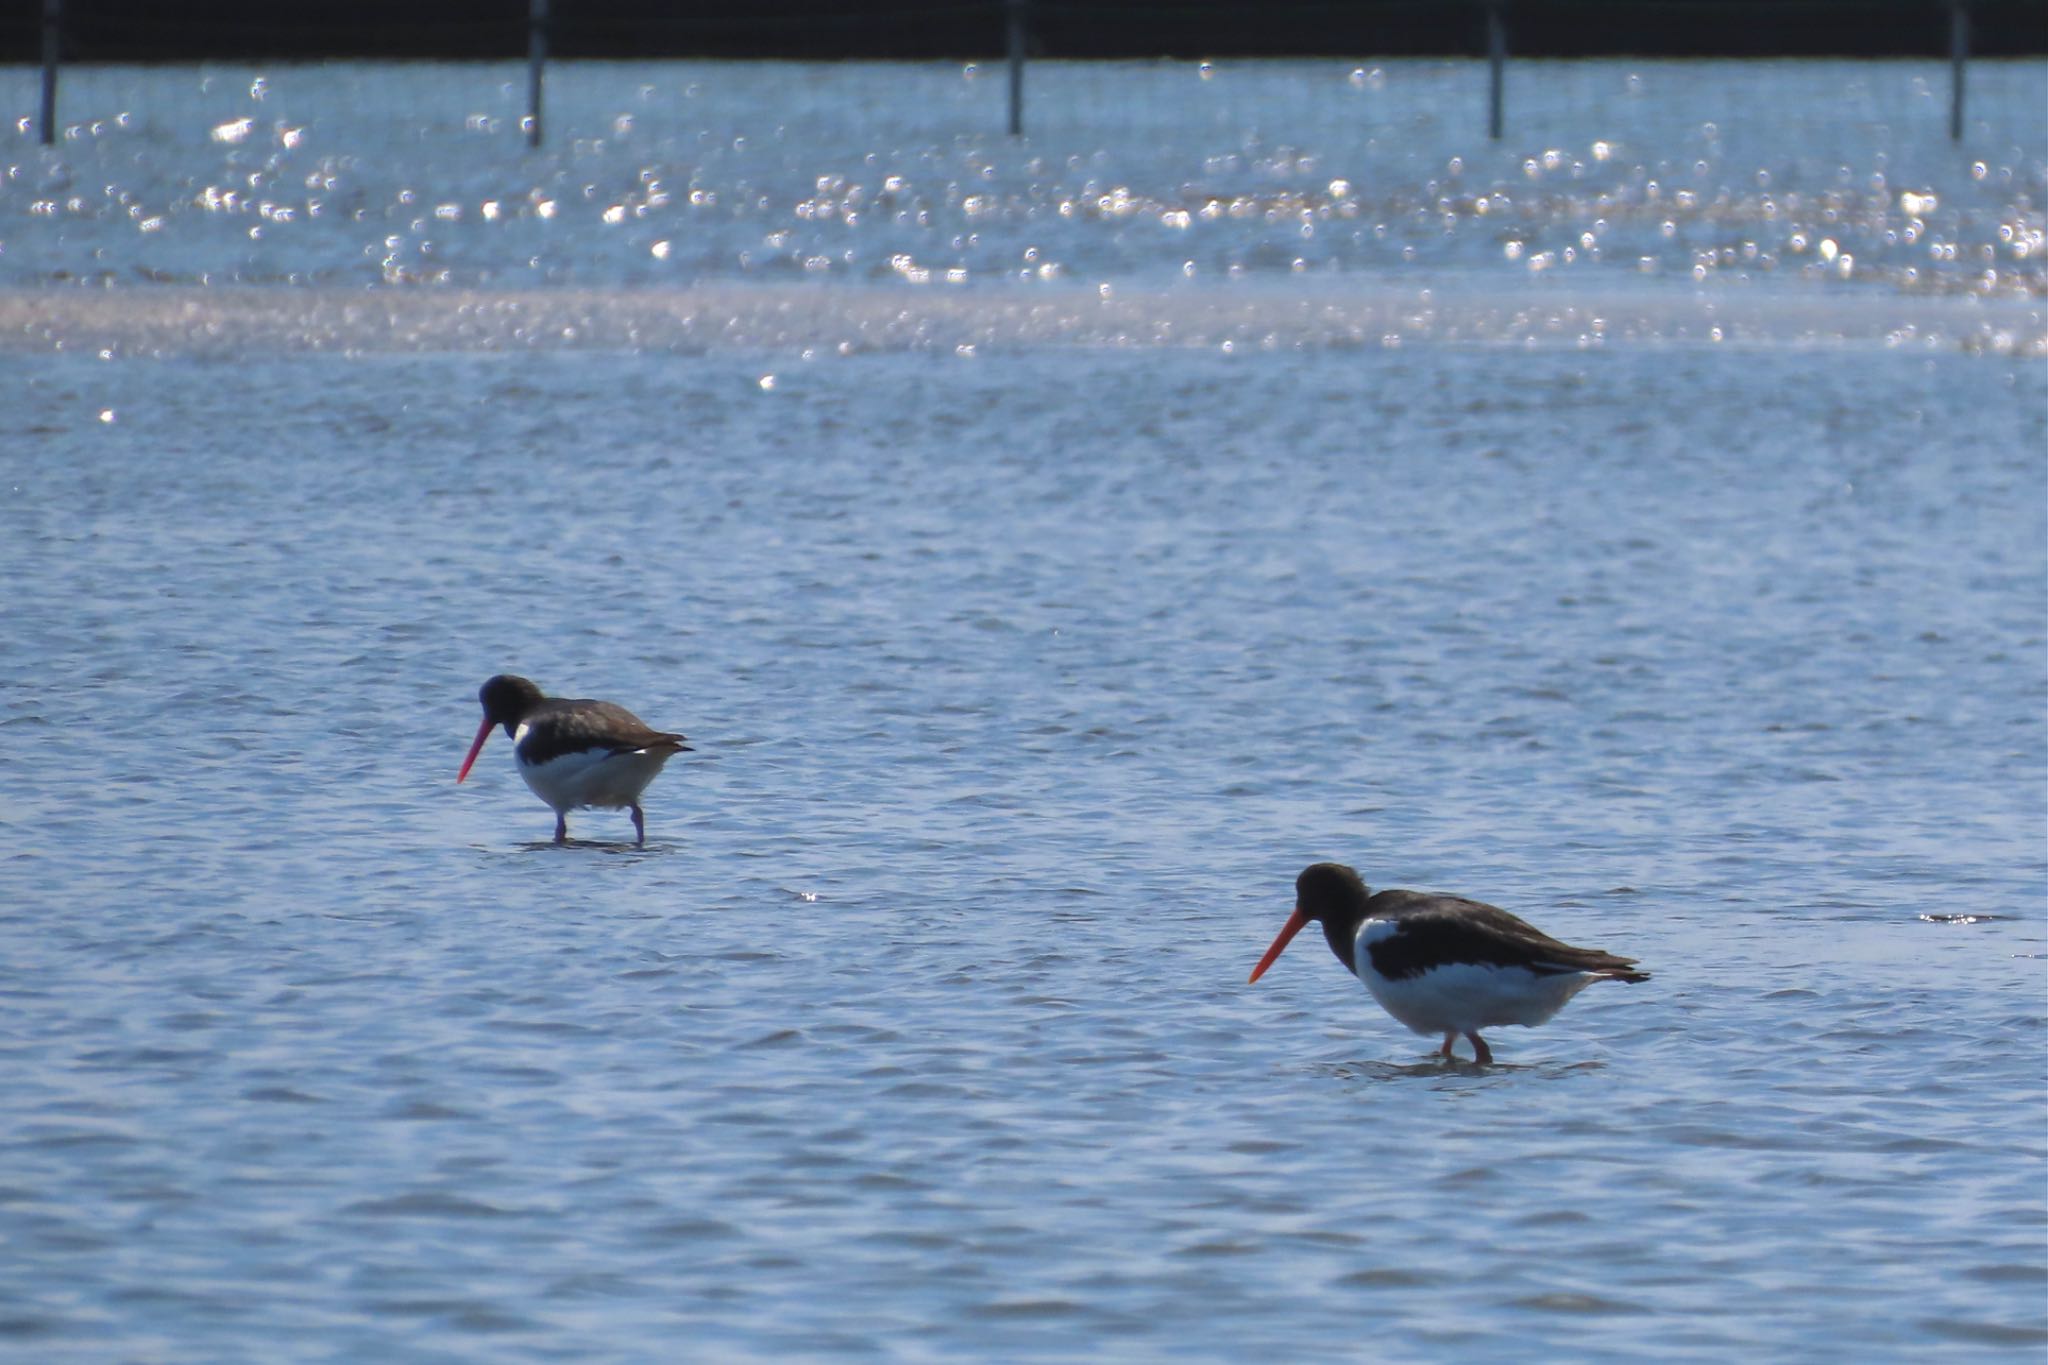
<point x="536" y="59"/>
<point x="1014" y="33"/>
<point x="1497" y="59"/>
<point x="53" y="32"/>
<point x="1958" y="56"/>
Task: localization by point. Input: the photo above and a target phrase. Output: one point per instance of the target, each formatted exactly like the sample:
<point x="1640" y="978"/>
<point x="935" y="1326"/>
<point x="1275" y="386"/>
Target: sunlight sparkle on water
<point x="1258" y="171"/>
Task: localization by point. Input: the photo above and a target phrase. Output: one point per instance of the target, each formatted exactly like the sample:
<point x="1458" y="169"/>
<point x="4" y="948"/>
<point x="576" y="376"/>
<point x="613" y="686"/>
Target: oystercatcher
<point x="572" y="751"/>
<point x="1444" y="964"/>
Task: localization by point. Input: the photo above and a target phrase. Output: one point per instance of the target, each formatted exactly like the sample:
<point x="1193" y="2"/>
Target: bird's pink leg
<point x="1481" y="1053"/>
<point x="1449" y="1038"/>
<point x="639" y="827"/>
<point x="561" y="829"/>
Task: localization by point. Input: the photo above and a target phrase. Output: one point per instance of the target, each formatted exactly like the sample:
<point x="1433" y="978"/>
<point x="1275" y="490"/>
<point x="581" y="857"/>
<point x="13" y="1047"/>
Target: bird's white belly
<point x="1465" y="997"/>
<point x="592" y="778"/>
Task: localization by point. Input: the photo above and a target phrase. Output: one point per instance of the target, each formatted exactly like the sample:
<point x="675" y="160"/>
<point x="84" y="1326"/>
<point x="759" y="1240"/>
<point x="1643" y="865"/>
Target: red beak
<point x="1288" y="930"/>
<point x="483" y="732"/>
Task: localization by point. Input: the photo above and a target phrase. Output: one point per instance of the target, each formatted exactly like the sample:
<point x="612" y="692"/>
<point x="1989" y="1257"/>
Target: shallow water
<point x="662" y="174"/>
<point x="1021" y="683"/>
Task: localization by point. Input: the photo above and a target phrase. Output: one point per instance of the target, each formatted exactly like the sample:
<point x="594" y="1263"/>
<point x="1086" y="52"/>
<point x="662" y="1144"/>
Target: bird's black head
<point x="1329" y="891"/>
<point x="507" y="700"/>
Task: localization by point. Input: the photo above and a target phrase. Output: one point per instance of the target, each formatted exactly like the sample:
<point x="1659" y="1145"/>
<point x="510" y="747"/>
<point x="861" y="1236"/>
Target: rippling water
<point x="1026" y="661"/>
<point x="666" y="173"/>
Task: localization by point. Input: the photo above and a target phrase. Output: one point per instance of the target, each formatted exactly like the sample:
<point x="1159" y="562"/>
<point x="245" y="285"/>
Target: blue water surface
<point x="1022" y="678"/>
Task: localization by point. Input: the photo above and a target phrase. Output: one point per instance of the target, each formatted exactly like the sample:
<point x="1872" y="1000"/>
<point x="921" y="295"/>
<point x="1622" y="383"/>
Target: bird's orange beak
<point x="1288" y="930"/>
<point x="483" y="732"/>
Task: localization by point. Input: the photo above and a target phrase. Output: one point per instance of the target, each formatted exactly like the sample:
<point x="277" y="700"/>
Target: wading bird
<point x="1443" y="964"/>
<point x="574" y="752"/>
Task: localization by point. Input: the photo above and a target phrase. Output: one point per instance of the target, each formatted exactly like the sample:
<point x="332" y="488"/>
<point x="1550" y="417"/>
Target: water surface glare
<point x="1838" y="174"/>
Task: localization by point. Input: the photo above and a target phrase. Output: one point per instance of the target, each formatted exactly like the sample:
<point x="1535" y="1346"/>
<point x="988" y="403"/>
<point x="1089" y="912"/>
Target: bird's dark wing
<point x="1438" y="929"/>
<point x="577" y="724"/>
